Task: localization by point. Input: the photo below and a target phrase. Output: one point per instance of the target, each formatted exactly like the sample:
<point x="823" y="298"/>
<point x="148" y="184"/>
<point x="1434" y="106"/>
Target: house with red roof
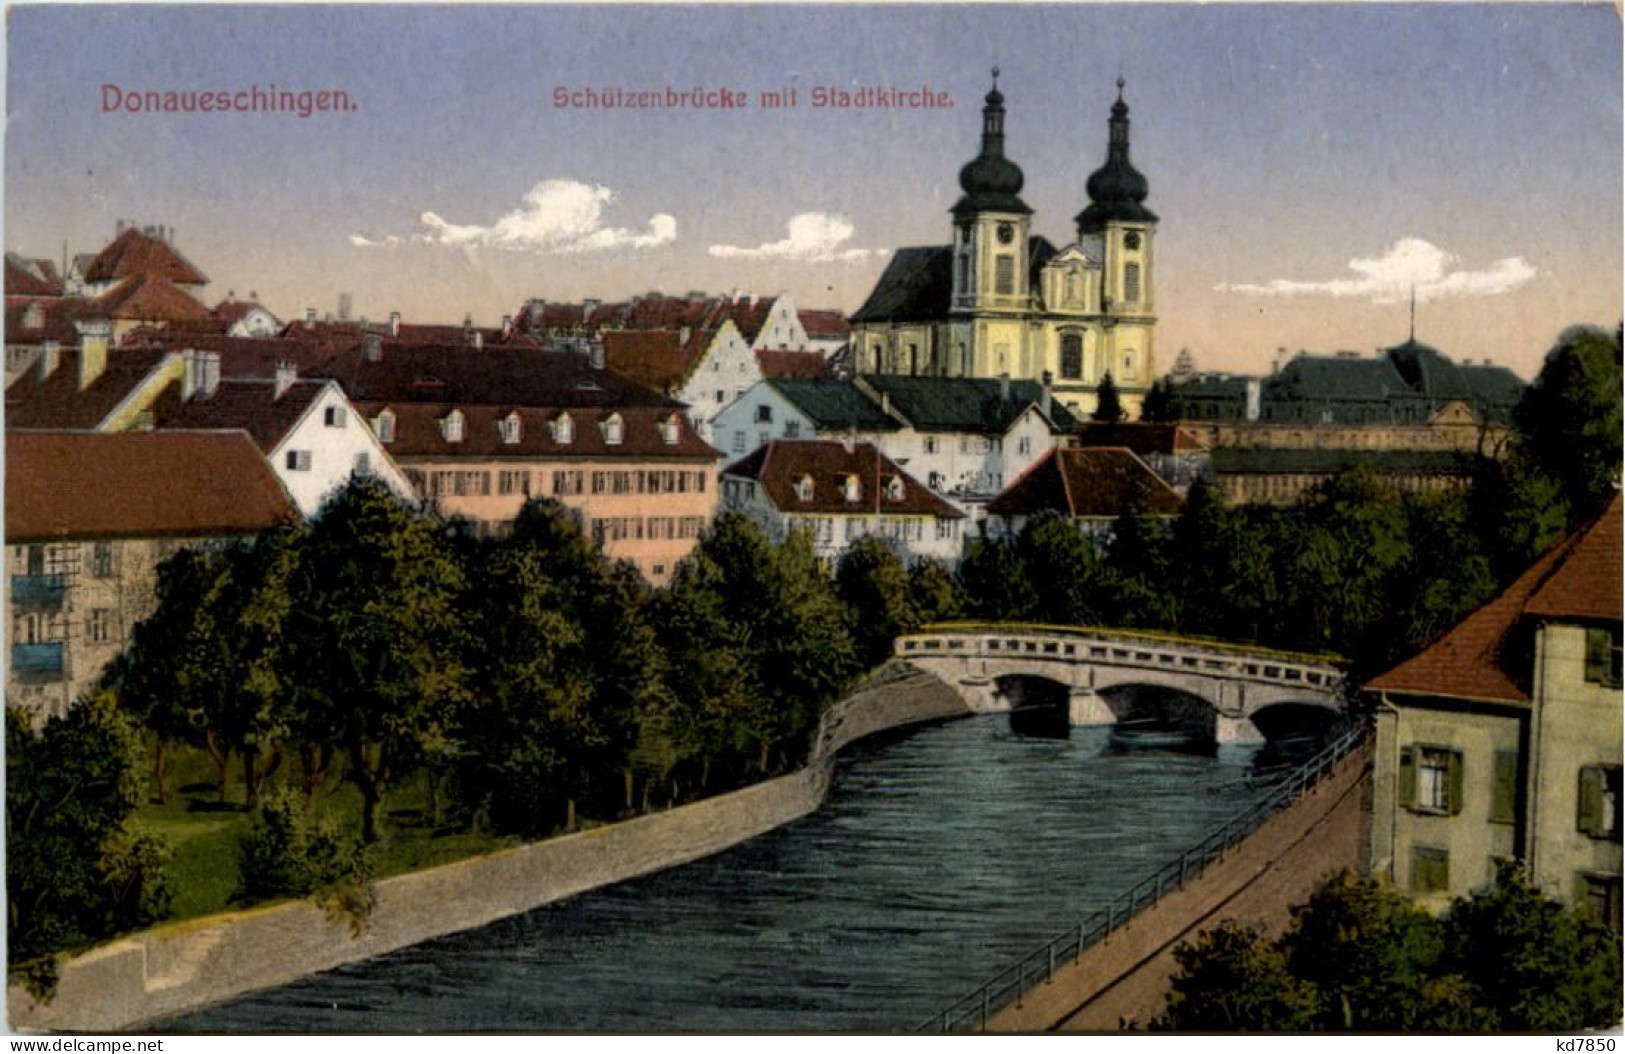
<point x="1091" y="486"/>
<point x="837" y="493"/>
<point x="89" y="517"/>
<point x="246" y="318"/>
<point x="1501" y="740"/>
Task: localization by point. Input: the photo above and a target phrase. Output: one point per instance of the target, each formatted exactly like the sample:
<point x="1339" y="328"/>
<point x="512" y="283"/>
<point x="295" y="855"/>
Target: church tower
<point x="1119" y="227"/>
<point x="991" y="225"/>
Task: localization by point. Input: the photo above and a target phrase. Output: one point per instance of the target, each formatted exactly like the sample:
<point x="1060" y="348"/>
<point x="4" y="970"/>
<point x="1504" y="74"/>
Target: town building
<point x="1091" y="486"/>
<point x="705" y="368"/>
<point x="1177" y="456"/>
<point x="1501" y="740"/>
<point x="1000" y="300"/>
<point x="89" y="517"/>
<point x="246" y="318"/>
<point x="837" y="493"/>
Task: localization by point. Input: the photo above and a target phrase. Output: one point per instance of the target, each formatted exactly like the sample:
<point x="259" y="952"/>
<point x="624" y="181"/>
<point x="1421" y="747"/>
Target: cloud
<point x="555" y="217"/>
<point x="1409" y="263"/>
<point x="812" y="237"/>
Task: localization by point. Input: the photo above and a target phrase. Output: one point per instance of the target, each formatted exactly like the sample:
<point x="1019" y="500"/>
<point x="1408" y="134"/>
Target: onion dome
<point x="992" y="182"/>
<point x="1117" y="190"/>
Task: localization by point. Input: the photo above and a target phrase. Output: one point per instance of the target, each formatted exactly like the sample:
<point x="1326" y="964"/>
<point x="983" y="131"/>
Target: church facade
<point x="1001" y="301"/>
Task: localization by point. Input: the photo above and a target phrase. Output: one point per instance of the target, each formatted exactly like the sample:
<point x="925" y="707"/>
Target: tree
<point x="1160" y="403"/>
<point x="993" y="582"/>
<point x="1108" y="407"/>
<point x="78" y="868"/>
<point x="932" y="592"/>
<point x="289" y="850"/>
<point x="873" y="584"/>
<point x="1058" y="565"/>
<point x="377" y="642"/>
<point x="1138" y="590"/>
<point x="1568" y="421"/>
<point x="1234" y="979"/>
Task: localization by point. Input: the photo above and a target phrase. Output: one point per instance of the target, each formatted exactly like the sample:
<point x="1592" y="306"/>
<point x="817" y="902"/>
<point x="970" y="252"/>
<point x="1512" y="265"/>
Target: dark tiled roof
<point x="1092" y="482"/>
<point x="25" y="277"/>
<point x="780" y="465"/>
<point x="135" y="253"/>
<point x="916" y="286"/>
<point x="58" y="320"/>
<point x="828" y="325"/>
<point x="1338" y="378"/>
<point x="57" y="402"/>
<point x="148" y="298"/>
<point x="834" y="404"/>
<point x="213" y="483"/>
<point x="963" y="404"/>
<point x="239" y="356"/>
<point x="655" y="358"/>
<point x="1313" y="461"/>
<point x="247" y="403"/>
<point x="418" y="432"/>
<point x="1142" y="437"/>
<point x="1484" y="656"/>
<point x="792" y="364"/>
<point x="1495" y="390"/>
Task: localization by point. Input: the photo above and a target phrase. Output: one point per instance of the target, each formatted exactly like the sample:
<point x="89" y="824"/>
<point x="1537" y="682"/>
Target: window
<point x="739" y="442"/>
<point x="512" y="428"/>
<point x="1024" y="445"/>
<point x="1599" y="896"/>
<point x="451" y="427"/>
<point x="1603" y="656"/>
<point x="930" y="444"/>
<point x="1131" y="283"/>
<point x="764" y="415"/>
<point x="1128" y="364"/>
<point x="564" y="430"/>
<point x="1004" y="275"/>
<point x="384" y="426"/>
<point x="513" y="481"/>
<point x="101" y="560"/>
<point x="946" y="529"/>
<point x="1072" y="356"/>
<point x="792" y="429"/>
<point x="298" y="460"/>
<point x="722" y="396"/>
<point x="363" y="464"/>
<point x="1599" y="802"/>
<point x="671" y="430"/>
<point x="333" y="417"/>
<point x="614" y="430"/>
<point x="804" y="488"/>
<point x="1504" y="788"/>
<point x="1430" y="779"/>
<point x="852" y="489"/>
<point x="98" y="626"/>
<point x="1430" y="870"/>
<point x="894" y="488"/>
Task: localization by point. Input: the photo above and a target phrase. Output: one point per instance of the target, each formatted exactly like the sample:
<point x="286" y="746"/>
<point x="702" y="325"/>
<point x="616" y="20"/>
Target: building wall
<point x="625" y="504"/>
<point x="1284" y="488"/>
<point x="339" y="443"/>
<point x="726" y="371"/>
<point x="1448" y="434"/>
<point x="832" y="534"/>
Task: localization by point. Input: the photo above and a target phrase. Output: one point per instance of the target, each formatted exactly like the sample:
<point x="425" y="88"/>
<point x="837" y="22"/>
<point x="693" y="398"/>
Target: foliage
<point x="1160" y="404"/>
<point x="1568" y="421"/>
<point x="1234" y="979"/>
<point x="873" y="584"/>
<point x="1057" y="569"/>
<point x="291" y="851"/>
<point x="932" y="592"/>
<point x="993" y="582"/>
<point x="1108" y="405"/>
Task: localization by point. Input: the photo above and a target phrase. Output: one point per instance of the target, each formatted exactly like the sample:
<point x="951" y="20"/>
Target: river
<point x="942" y="853"/>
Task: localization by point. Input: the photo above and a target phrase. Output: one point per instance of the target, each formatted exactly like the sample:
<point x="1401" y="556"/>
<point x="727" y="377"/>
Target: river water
<point x="942" y="854"/>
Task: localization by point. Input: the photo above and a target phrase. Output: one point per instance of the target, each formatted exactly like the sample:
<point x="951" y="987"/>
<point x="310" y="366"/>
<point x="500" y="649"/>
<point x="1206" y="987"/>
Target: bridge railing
<point x="975" y="1008"/>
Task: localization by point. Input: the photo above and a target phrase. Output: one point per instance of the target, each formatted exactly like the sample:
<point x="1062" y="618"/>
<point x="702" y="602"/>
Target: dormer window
<point x="511" y="428"/>
<point x="852" y="489"/>
<point x="384" y="426"/>
<point x="804" y="488"/>
<point x="34" y="317"/>
<point x="564" y="430"/>
<point x="894" y="488"/>
<point x="614" y="430"/>
<point x="671" y="430"/>
<point x="451" y="427"/>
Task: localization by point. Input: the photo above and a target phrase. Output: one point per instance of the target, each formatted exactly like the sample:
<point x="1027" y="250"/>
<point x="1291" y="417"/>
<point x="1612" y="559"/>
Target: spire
<point x="1117" y="190"/>
<point x="993" y="120"/>
<point x="991" y="182"/>
<point x="1413" y="312"/>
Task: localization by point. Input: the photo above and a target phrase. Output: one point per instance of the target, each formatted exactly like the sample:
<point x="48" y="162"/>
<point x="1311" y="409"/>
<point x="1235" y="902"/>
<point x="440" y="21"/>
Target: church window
<point x="1131" y="283"/>
<point x="1072" y="287"/>
<point x="1004" y="275"/>
<point x="913" y="359"/>
<point x="1072" y="356"/>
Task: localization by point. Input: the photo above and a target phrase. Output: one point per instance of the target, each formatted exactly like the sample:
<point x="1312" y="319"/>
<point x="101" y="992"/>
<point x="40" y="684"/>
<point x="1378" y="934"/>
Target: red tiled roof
<point x="1092" y="482"/>
<point x="212" y="324"/>
<point x="148" y="298"/>
<point x="239" y="356"/>
<point x="750" y="318"/>
<point x="819" y="322"/>
<point x="213" y="483"/>
<point x="136" y="253"/>
<point x="418" y="432"/>
<point x="58" y="320"/>
<point x="655" y="358"/>
<point x="232" y="312"/>
<point x="776" y="364"/>
<point x="1142" y="437"/>
<point x="57" y="402"/>
<point x="1578" y="578"/>
<point x="782" y="464"/>
<point x="26" y="277"/>
<point x="246" y="403"/>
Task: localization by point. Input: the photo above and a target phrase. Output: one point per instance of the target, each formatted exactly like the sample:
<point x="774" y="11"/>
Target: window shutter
<point x="1407" y="778"/>
<point x="1455" y="783"/>
<point x="1504" y="790"/>
<point x="1591" y="794"/>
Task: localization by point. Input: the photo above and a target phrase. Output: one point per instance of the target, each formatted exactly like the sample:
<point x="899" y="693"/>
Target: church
<point x="1001" y="301"/>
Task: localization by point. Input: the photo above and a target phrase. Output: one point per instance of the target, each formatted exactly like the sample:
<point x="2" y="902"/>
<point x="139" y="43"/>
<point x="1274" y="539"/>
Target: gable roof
<point x="655" y="358"/>
<point x="833" y="404"/>
<point x="57" y="402"/>
<point x="1142" y="437"/>
<point x="239" y="356"/>
<point x="780" y="465"/>
<point x="1476" y="659"/>
<point x="147" y="298"/>
<point x="824" y="324"/>
<point x="246" y="403"/>
<point x="1093" y="482"/>
<point x="214" y="483"/>
<point x="25" y="277"/>
<point x="792" y="364"/>
<point x="916" y="286"/>
<point x="58" y="313"/>
<point x="418" y="432"/>
<point x="134" y="252"/>
<point x="963" y="404"/>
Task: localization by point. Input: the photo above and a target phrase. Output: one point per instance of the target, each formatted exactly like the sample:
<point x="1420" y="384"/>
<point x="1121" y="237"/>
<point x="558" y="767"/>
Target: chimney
<point x="50" y="354"/>
<point x="507" y="326"/>
<point x="1046" y="395"/>
<point x="253" y="296"/>
<point x="372" y="347"/>
<point x="849" y="439"/>
<point x="885" y="403"/>
<point x="468" y="320"/>
<point x="1004" y="387"/>
<point x="588" y="307"/>
<point x="479" y="339"/>
<point x="595" y="353"/>
<point x="1255" y="398"/>
<point x="286" y="374"/>
<point x="1280" y="357"/>
<point x="310" y="318"/>
<point x="188" y="373"/>
<point x="118" y="228"/>
<point x="208" y="373"/>
<point x="683" y="333"/>
<point x="394" y="323"/>
<point x="94" y="339"/>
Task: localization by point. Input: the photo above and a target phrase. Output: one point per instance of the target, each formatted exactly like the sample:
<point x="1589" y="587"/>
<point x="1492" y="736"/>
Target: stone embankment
<point x="174" y="968"/>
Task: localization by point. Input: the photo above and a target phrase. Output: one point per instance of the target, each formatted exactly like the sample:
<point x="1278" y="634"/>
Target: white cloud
<point x="1409" y="263"/>
<point x="811" y="237"/>
<point x="556" y="217"/>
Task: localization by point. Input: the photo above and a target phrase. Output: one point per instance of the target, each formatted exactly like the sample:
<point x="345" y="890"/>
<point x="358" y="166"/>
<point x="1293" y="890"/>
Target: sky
<point x="1310" y="164"/>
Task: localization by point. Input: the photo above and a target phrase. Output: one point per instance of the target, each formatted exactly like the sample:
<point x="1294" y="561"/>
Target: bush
<point x="290" y="851"/>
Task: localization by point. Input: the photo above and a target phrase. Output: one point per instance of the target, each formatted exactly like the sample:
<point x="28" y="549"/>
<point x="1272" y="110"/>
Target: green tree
<point x="290" y="850"/>
<point x="933" y="592"/>
<point x="1520" y="511"/>
<point x="1138" y="581"/>
<point x="78" y="867"/>
<point x="1159" y="404"/>
<point x="1568" y="421"/>
<point x="873" y="584"/>
<point x="993" y="582"/>
<point x="1108" y="405"/>
<point x="1234" y="979"/>
<point x="1446" y="575"/>
<point x="1059" y="572"/>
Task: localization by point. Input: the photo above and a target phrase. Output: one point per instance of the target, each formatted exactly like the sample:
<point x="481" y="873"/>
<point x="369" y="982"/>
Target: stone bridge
<point x="990" y="665"/>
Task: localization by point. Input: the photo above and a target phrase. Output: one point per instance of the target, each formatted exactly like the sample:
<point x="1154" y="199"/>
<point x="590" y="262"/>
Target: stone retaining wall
<point x="186" y="965"/>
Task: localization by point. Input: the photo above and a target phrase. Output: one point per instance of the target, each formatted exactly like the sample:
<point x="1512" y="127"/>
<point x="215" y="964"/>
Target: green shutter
<point x="1455" y="782"/>
<point x="1597" y="641"/>
<point x="1504" y="789"/>
<point x="1407" y="778"/>
<point x="1592" y="784"/>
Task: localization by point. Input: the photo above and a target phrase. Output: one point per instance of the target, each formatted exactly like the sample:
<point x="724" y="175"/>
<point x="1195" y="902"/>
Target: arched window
<point x="852" y="489"/>
<point x="564" y="430"/>
<point x="894" y="488"/>
<point x="384" y="426"/>
<point x="614" y="430"/>
<point x="451" y="427"/>
<point x="1072" y="356"/>
<point x="512" y="428"/>
<point x="804" y="488"/>
<point x="671" y="430"/>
